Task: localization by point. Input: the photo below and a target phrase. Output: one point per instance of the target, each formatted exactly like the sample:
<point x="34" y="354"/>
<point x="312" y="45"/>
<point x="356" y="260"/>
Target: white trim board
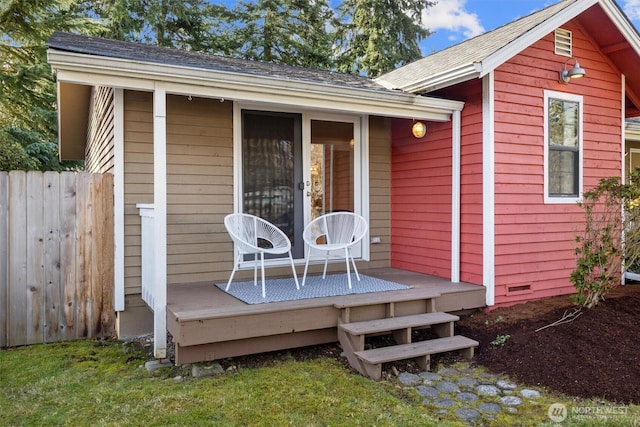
<point x="118" y="199"/>
<point x="488" y="188"/>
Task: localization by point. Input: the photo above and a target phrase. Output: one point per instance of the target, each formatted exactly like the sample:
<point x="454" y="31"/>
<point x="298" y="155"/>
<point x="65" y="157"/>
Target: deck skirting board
<point x="221" y="350"/>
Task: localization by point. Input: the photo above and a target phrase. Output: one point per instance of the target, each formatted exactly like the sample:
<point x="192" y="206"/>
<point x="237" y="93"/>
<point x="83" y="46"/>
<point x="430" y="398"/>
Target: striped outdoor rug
<point x="315" y="287"/>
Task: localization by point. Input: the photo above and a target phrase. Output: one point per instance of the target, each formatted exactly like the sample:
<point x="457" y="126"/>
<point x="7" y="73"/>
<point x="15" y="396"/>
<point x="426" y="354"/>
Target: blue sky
<point x="454" y="21"/>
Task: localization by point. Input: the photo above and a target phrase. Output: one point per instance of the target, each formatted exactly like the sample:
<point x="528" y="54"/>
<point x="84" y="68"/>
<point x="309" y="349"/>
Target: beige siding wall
<point x="380" y="190"/>
<point x="99" y="148"/>
<point x="138" y="178"/>
<point x="200" y="187"/>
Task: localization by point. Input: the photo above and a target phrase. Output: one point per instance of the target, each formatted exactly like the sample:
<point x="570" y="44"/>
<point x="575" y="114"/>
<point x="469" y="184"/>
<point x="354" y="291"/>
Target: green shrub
<point x="610" y="241"/>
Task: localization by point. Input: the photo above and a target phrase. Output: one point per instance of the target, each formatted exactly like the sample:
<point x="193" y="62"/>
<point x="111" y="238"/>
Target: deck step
<point x="386" y="298"/>
<point x="408" y="351"/>
<point x="395" y="323"/>
<point x="372" y="360"/>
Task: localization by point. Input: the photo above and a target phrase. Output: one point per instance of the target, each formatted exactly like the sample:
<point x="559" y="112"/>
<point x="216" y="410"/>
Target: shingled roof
<point x="469" y="52"/>
<point x="145" y="53"/>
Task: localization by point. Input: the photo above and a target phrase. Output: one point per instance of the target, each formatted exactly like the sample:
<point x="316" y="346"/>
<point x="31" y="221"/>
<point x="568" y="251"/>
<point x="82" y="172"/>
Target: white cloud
<point x="632" y="9"/>
<point x="451" y="15"/>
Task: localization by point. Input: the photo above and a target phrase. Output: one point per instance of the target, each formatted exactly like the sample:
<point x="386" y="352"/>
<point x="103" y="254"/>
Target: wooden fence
<point x="56" y="257"/>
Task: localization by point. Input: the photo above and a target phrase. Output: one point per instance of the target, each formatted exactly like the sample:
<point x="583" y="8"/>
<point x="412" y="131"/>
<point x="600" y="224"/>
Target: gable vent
<point x="563" y="42"/>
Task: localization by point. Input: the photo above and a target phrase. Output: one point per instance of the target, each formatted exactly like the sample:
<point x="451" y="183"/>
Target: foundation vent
<point x="519" y="289"/>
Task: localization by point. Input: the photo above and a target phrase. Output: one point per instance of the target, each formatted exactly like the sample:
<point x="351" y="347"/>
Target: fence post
<point x="17" y="261"/>
<point x="35" y="257"/>
<point x="67" y="314"/>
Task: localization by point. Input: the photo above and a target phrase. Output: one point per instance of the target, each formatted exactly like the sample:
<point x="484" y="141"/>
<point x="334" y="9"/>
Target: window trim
<point x="548" y="95"/>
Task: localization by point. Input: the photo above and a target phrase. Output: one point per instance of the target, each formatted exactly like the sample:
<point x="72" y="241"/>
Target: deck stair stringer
<point x="352" y="335"/>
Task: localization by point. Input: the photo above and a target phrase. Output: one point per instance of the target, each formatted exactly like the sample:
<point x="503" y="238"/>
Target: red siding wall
<point x="535" y="242"/>
<point x="471" y="182"/>
<point x="421" y="199"/>
<point x="421" y="193"/>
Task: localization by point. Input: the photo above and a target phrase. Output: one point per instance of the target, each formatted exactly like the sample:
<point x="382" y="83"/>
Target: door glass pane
<point x="270" y="146"/>
<point x="332" y="160"/>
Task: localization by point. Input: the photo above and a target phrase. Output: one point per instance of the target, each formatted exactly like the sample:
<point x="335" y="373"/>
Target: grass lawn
<point x="89" y="383"/>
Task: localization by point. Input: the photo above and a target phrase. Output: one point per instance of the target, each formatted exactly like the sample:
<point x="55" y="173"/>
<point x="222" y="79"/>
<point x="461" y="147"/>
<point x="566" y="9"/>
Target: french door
<point x="296" y="167"/>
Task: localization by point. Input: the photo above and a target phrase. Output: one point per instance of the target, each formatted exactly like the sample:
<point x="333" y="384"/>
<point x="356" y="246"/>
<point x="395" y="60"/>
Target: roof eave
<point x="94" y="70"/>
<point x="445" y="79"/>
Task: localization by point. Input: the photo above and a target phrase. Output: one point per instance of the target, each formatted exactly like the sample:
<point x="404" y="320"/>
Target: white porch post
<point x="488" y="188"/>
<point x="455" y="198"/>
<point x="160" y="220"/>
<point x="118" y="198"/>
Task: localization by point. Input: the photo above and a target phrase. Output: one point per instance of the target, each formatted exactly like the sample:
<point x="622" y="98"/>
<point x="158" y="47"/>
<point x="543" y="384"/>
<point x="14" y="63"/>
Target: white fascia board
<point x="85" y="69"/>
<point x="445" y="79"/>
<point x="85" y="77"/>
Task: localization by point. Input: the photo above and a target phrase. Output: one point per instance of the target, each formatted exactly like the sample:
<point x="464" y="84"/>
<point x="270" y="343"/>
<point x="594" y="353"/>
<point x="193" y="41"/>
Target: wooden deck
<point x="208" y="324"/>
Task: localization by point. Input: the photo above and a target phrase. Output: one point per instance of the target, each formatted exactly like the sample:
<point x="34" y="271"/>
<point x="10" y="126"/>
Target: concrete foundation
<point x="136" y="320"/>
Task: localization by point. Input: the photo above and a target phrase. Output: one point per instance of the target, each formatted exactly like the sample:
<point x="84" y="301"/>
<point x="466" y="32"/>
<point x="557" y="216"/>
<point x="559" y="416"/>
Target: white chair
<point x="254" y="235"/>
<point x="337" y="231"/>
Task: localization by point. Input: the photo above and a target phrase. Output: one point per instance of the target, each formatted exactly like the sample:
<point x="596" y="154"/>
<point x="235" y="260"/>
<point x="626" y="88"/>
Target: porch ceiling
<point x="73" y="107"/>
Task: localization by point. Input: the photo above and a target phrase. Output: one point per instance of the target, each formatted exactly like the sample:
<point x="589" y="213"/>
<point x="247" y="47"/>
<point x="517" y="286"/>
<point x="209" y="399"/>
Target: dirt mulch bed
<point x="595" y="356"/>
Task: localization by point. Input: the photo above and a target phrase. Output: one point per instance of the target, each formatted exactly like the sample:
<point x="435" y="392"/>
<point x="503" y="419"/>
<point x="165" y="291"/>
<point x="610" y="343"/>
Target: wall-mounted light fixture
<point x="575" y="73"/>
<point x="419" y="129"/>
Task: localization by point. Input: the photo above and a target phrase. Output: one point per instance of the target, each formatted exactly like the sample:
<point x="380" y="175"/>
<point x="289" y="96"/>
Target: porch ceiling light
<point x="575" y="73"/>
<point x="419" y="129"/>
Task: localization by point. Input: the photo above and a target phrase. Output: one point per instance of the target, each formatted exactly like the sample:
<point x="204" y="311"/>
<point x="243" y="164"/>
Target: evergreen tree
<point x="377" y="36"/>
<point x="172" y="23"/>
<point x="196" y="25"/>
<point x="28" y="122"/>
<point x="118" y="18"/>
<point x="289" y="32"/>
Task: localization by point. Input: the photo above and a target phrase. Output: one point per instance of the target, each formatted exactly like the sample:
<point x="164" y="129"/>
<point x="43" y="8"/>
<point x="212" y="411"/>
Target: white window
<point x="563" y="147"/>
